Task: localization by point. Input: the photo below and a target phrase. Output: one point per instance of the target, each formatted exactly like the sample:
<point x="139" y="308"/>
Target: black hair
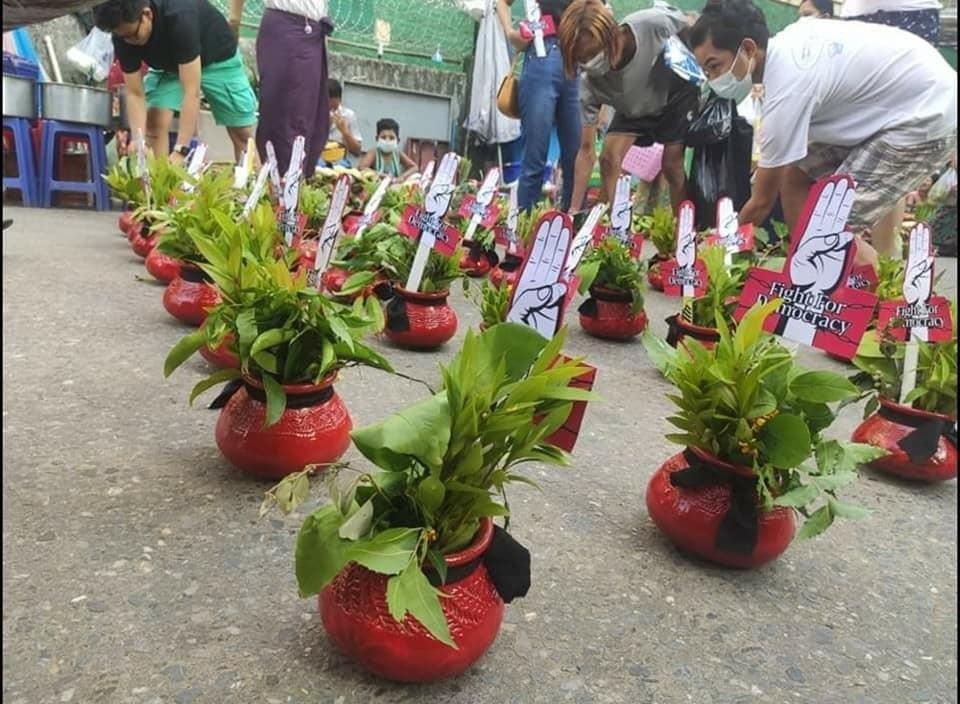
<point x="824" y="7"/>
<point x="388" y="123"/>
<point x="727" y="23"/>
<point x="113" y="13"/>
<point x="334" y="89"/>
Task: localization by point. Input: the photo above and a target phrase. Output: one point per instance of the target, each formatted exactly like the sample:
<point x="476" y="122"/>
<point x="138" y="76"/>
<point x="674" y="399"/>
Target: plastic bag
<point x="713" y="124"/>
<point x="721" y="169"/>
<point x="93" y="55"/>
<point x="944" y="188"/>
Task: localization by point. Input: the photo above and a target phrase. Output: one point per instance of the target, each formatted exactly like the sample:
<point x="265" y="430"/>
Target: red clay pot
<point x="506" y="272"/>
<point x="654" y="273"/>
<point x="681" y="329"/>
<point x="223" y="356"/>
<point x="334" y="278"/>
<point x="162" y="267"/>
<point x="311" y="430"/>
<point x="891" y="424"/>
<point x="125" y="221"/>
<point x="475" y="263"/>
<point x="606" y="314"/>
<point x="690" y="517"/>
<point x="190" y="295"/>
<point x="142" y="246"/>
<point x="419" y="321"/>
<point x="353" y="609"/>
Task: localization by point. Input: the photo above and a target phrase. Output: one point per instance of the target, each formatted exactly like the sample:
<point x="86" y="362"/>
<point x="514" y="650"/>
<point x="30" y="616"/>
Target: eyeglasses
<point x="132" y="37"/>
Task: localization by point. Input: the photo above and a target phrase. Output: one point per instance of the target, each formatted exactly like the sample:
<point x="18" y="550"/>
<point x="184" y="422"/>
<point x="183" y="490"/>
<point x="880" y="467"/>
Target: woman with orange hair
<point x="622" y="65"/>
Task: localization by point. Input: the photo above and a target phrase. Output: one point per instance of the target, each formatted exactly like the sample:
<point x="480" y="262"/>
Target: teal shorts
<point x="225" y="86"/>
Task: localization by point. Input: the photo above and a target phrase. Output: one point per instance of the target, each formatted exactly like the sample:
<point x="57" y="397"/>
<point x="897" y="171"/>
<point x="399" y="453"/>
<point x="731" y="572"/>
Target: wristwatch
<point x="181" y="149"/>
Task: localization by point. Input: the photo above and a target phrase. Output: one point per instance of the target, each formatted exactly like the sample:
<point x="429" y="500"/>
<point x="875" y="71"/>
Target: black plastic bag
<point x="714" y="123"/>
<point x="721" y="169"/>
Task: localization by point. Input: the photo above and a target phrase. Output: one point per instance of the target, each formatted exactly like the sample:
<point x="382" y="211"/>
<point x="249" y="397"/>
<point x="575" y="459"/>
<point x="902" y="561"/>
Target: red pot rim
<point x="418" y="296"/>
<point x="716" y="461"/>
<point x="481" y="541"/>
<point x="295" y="389"/>
<point x="711" y="333"/>
<point x="915" y="412"/>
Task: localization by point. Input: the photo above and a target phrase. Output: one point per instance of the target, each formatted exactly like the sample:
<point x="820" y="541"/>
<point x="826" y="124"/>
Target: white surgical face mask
<point x="732" y="88"/>
<point x="597" y="66"/>
<point x="387" y="146"/>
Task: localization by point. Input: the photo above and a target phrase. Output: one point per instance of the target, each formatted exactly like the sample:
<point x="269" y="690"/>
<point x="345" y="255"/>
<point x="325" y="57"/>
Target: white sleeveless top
<point x="312" y="9"/>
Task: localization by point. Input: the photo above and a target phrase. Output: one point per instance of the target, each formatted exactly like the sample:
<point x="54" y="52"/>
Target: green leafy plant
<point x="314" y="203"/>
<point x="610" y="265"/>
<point x="747" y="404"/>
<point x="770" y="253"/>
<point x="494" y="303"/>
<point x="166" y="184"/>
<point x="442" y="465"/>
<point x="285" y="332"/>
<point x="440" y="272"/>
<point x="890" y="273"/>
<point x="724" y="285"/>
<point x="880" y="361"/>
<point x="661" y="229"/>
<point x="125" y="183"/>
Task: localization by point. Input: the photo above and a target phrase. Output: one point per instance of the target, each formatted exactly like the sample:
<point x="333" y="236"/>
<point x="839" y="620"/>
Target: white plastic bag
<point x="93" y="55"/>
<point x="944" y="188"/>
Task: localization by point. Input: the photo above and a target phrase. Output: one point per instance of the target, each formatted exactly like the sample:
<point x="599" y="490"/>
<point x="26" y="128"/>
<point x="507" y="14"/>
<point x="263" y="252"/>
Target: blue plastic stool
<point x="53" y="132"/>
<point x="26" y="179"/>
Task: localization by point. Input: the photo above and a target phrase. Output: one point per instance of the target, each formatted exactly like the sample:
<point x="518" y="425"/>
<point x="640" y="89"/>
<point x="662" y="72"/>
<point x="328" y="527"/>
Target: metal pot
<point x="73" y="103"/>
<point x="19" y="97"/>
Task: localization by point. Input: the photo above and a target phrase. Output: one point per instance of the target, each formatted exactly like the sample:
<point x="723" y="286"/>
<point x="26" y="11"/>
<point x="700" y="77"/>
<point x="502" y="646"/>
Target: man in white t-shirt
<point x="344" y="127"/>
<point x="877" y="103"/>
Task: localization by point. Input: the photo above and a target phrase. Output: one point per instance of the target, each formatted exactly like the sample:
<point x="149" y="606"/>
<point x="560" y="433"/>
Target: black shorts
<point x="668" y="127"/>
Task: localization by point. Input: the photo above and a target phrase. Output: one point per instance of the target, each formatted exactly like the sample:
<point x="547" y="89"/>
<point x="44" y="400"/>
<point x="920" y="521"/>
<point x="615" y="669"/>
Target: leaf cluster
<point x="610" y="265"/>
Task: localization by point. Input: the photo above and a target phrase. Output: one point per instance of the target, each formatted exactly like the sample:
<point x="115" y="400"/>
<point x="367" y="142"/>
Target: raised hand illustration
<point x="686" y="246"/>
<point x="583" y="239"/>
<point x="620" y="214"/>
<point x="441" y="191"/>
<point x="540" y="291"/>
<point x="331" y="226"/>
<point x="728" y="229"/>
<point x="918" y="277"/>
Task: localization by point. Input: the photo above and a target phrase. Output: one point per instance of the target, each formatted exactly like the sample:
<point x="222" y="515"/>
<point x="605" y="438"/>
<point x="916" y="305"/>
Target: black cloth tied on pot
<point x="922" y="443"/>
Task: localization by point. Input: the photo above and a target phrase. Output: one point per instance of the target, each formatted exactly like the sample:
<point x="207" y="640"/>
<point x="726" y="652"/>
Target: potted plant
<point x="660" y="228"/>
<point x="166" y="186"/>
<point x="919" y="433"/>
<point x="126" y="186"/>
<point x="614" y="280"/>
<point x="480" y="254"/>
<point x="493" y="302"/>
<point x="363" y="261"/>
<point x="751" y="422"/>
<point x="280" y="413"/>
<point x="724" y="285"/>
<point x="411" y="573"/>
<point x="421" y="319"/>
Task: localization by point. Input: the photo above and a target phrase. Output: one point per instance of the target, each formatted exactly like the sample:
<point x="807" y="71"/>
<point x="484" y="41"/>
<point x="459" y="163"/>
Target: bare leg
<point x="615" y="147"/>
<point x="886" y="232"/>
<point x="239" y="136"/>
<point x="158" y="130"/>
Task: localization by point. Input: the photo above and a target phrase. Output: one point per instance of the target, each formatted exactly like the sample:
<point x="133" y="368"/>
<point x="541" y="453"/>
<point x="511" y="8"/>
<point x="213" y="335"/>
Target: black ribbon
<point x="675" y="332"/>
<point x="194" y="275"/>
<point x="475" y="252"/>
<point x="922" y="443"/>
<point x="383" y="290"/>
<point x="738" y="530"/>
<point x="511" y="262"/>
<point x="588" y="308"/>
<point x="313" y="398"/>
<point x="396" y="311"/>
<point x="507" y="563"/>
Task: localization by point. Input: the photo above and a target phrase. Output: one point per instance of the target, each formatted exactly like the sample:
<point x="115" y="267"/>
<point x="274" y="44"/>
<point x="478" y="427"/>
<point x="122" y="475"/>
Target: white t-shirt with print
<point x="856" y="8"/>
<point x="842" y="82"/>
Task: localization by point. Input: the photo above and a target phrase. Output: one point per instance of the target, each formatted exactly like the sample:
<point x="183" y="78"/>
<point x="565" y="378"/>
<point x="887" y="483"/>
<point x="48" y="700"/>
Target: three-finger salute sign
<point x="541" y="291"/>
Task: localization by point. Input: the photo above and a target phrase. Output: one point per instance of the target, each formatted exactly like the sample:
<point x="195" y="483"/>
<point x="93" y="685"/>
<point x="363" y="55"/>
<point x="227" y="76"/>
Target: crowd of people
<point x="867" y="94"/>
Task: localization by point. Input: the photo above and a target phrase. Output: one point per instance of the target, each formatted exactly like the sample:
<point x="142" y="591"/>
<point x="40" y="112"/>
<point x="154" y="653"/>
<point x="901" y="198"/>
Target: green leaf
<point x="421" y="431"/>
<point x="751" y="326"/>
<point x="832" y="482"/>
<point x="410" y="591"/>
<point x="320" y="553"/>
<point x="276" y="400"/>
<point x="271" y="338"/>
<point x="818" y="522"/>
<point x="799" y="497"/>
<point x="786" y="441"/>
<point x="387" y="552"/>
<point x="842" y="510"/>
<point x="218" y="377"/>
<point x="183" y="350"/>
<point x="358" y="523"/>
<point x="439" y="564"/>
<point x="662" y="355"/>
<point x="822" y="387"/>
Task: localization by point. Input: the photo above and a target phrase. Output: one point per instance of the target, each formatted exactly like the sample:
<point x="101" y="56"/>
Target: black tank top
<point x="554" y="8"/>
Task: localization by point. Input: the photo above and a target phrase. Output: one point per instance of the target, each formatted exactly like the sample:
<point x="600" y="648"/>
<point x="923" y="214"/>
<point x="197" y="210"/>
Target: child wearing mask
<point x="386" y="157"/>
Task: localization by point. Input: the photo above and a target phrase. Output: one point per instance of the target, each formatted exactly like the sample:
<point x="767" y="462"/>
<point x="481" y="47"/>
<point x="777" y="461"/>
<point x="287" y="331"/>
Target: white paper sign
<point x="258" y="187"/>
<point x="371" y="207"/>
<point x="142" y="166"/>
<point x="488" y="189"/>
<point x="427" y="175"/>
<point x="621" y="216"/>
<point x="291" y="190"/>
<point x="917" y="289"/>
<point x="195" y="166"/>
<point x="436" y="204"/>
<point x="245" y="166"/>
<point x="541" y="291"/>
<point x="728" y="227"/>
<point x="274" y="168"/>
<point x="687" y="253"/>
<point x="513" y="214"/>
<point x="331" y="227"/>
<point x="583" y="239"/>
<point x="532" y="10"/>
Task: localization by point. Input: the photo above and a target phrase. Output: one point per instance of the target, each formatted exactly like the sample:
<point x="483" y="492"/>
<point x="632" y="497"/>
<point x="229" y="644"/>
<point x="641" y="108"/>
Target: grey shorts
<point x="884" y="172"/>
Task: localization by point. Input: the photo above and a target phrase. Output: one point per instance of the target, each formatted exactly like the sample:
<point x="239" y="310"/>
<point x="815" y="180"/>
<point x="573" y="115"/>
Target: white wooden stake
<point x="484" y="197"/>
<point x="371" y="207"/>
<point x="435" y="207"/>
<point x="331" y="227"/>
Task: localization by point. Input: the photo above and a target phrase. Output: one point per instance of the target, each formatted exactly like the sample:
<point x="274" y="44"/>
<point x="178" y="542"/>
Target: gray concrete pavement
<point x="135" y="569"/>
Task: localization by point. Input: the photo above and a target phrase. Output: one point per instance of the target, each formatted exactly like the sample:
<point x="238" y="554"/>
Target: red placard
<point x="352" y="221"/>
<point x="488" y="216"/>
<point x="676" y="277"/>
<point x="898" y="317"/>
<point x="818" y="307"/>
<point x="414" y="220"/>
<point x="863" y="278"/>
<point x="742" y="241"/>
<point x="565" y="437"/>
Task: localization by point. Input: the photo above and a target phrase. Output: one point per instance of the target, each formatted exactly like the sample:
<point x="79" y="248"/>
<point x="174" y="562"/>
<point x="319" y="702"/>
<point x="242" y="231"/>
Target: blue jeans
<point x="547" y="98"/>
